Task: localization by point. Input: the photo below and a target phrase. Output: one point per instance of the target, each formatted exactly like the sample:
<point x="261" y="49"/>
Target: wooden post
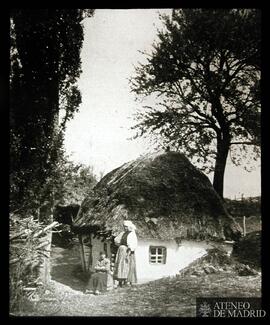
<point x="46" y="215"/>
<point x="48" y="259"/>
<point x="45" y="268"/>
<point x="244" y="225"/>
<point x="82" y="253"/>
<point x="90" y="258"/>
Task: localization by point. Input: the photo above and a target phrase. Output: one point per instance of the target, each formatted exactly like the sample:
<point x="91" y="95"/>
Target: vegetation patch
<point x="248" y="249"/>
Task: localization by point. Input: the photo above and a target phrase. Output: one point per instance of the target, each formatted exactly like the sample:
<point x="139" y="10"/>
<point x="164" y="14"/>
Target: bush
<point x="28" y="250"/>
<point x="248" y="249"/>
<point x="218" y="256"/>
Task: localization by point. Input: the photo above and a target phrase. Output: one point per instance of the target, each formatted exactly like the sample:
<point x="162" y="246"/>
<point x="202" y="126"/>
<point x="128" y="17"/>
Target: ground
<point x="173" y="296"/>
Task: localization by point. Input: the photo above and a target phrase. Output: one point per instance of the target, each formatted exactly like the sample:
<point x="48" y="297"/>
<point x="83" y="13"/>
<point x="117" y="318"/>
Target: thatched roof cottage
<point x="176" y="210"/>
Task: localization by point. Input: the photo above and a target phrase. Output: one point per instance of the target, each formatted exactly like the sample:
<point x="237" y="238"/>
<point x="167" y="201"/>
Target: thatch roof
<point x="164" y="195"/>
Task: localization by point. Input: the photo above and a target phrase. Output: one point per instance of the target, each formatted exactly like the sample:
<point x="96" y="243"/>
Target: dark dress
<point x="98" y="280"/>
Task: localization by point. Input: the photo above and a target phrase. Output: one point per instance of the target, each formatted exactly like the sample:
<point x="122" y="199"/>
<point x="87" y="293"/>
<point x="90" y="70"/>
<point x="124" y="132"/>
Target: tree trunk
<point x="222" y="154"/>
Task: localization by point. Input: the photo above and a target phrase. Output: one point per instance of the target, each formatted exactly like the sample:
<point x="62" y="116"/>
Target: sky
<point x="99" y="134"/>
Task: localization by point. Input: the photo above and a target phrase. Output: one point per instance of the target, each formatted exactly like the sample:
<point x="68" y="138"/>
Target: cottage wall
<point x="178" y="257"/>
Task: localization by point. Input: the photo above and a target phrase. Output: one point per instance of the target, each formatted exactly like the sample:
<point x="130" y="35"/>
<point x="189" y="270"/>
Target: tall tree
<point x="204" y="76"/>
<point x="45" y="65"/>
<point x="74" y="182"/>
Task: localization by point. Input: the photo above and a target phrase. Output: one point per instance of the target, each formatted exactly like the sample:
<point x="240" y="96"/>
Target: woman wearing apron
<point x="125" y="263"/>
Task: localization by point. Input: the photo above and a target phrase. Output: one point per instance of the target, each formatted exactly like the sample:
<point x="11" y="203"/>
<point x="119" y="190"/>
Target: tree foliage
<point x="45" y="66"/>
<point x="74" y="182"/>
<point x="204" y="76"/>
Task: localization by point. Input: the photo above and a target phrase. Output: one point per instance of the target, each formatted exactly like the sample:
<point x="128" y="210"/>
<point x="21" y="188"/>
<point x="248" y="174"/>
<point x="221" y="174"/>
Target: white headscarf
<point x="130" y="225"/>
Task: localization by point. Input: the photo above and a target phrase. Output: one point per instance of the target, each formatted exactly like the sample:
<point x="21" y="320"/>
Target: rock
<point x="197" y="272"/>
<point x="210" y="269"/>
<point x="50" y="299"/>
<point x="245" y="270"/>
<point x="207" y="270"/>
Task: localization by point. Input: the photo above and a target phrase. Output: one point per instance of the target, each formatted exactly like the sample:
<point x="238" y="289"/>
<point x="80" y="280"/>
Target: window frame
<point x="163" y="255"/>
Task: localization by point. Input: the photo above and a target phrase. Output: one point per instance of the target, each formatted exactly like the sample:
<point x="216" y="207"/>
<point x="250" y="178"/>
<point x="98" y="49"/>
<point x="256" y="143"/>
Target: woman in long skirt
<point x="98" y="280"/>
<point x="125" y="264"/>
<point x="132" y="274"/>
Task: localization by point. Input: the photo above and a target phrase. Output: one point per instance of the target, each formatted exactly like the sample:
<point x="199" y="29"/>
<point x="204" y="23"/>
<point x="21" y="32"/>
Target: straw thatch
<point x="164" y="195"/>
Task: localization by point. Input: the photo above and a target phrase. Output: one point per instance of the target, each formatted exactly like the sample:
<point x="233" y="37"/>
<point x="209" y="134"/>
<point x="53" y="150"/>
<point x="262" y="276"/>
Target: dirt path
<point x="166" y="297"/>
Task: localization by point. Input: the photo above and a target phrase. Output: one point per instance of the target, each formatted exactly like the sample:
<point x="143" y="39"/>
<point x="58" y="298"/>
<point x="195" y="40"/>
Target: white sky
<point x="98" y="134"/>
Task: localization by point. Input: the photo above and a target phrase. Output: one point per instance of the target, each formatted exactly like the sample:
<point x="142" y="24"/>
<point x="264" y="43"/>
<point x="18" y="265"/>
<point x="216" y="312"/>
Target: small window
<point x="157" y="255"/>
